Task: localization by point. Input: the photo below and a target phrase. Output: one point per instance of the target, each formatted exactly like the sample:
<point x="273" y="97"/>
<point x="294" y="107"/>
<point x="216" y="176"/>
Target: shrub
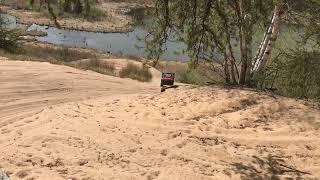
<point x="97" y="65"/>
<point x="294" y="74"/>
<point x="9" y="38"/>
<point x="63" y="54"/>
<point x="199" y="76"/>
<point x="188" y="77"/>
<point x="136" y="72"/>
<point x="95" y="14"/>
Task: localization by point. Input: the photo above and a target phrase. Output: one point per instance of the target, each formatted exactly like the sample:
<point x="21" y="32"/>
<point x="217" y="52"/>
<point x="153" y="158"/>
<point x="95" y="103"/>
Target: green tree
<point x="222" y="32"/>
<point x="9" y="38"/>
<point x="295" y="71"/>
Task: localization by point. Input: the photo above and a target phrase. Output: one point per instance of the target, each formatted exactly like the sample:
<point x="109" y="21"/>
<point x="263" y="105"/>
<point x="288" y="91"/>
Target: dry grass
<point x="51" y="53"/>
<point x="90" y="60"/>
<point x="144" y="2"/>
<point x="136" y="72"/>
<point x="24" y="32"/>
<point x="16" y="4"/>
<point x="200" y="75"/>
<point x="74" y="57"/>
<point x="97" y="65"/>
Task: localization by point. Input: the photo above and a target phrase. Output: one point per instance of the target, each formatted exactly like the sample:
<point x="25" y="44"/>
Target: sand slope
<point x="60" y="123"/>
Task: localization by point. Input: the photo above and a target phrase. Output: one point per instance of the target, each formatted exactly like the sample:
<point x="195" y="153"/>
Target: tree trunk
<point x="245" y="40"/>
<point x="87" y="7"/>
<point x="67" y="6"/>
<point x="32" y="3"/>
<point x="244" y="58"/>
<point x="78" y="7"/>
<point x="267" y="45"/>
<point x="52" y="14"/>
<point x="249" y="50"/>
<point x="226" y="70"/>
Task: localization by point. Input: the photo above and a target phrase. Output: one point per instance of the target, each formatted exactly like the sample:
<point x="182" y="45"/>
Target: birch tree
<point x="267" y="44"/>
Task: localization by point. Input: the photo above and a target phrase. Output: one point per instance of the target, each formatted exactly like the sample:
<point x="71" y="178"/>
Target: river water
<point x="116" y="43"/>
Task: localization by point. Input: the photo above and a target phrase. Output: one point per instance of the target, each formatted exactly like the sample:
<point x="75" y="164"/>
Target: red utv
<point x="167" y="79"/>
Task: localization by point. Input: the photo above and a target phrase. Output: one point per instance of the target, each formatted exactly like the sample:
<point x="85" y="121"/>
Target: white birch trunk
<point x="268" y="43"/>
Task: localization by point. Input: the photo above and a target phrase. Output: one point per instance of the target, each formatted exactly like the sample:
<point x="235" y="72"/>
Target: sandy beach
<point x="57" y="122"/>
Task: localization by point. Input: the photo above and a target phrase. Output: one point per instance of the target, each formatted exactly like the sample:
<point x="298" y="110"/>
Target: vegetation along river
<point x="117" y="43"/>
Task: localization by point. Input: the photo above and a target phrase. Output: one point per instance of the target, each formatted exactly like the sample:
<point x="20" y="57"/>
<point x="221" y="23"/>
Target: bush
<point x="294" y="74"/>
<point x="201" y="75"/>
<point x="9" y="38"/>
<point x="97" y="65"/>
<point x="136" y="72"/>
<point x="189" y="77"/>
<point x="63" y="54"/>
<point x="95" y="14"/>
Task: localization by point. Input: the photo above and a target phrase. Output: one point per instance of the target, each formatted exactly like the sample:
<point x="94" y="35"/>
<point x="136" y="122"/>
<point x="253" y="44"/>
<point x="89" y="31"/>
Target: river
<point x="116" y="43"/>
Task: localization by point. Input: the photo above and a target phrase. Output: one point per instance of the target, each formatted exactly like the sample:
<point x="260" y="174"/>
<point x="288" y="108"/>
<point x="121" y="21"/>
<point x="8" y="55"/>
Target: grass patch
<point x="103" y="67"/>
<point x="136" y="72"/>
<point x="201" y="75"/>
<point x="95" y="14"/>
<point x="190" y="77"/>
<point x="56" y="53"/>
<point x="77" y="58"/>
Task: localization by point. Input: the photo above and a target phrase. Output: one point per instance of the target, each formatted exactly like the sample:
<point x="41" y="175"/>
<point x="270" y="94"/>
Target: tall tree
<point x="9" y="38"/>
<point x="220" y="32"/>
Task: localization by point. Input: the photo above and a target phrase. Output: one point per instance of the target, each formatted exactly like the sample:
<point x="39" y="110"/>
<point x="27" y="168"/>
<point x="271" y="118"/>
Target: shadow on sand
<point x="271" y="167"/>
<point x="164" y="88"/>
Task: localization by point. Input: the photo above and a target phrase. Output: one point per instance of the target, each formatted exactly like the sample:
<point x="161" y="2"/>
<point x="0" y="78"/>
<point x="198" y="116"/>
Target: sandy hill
<point x="57" y="122"/>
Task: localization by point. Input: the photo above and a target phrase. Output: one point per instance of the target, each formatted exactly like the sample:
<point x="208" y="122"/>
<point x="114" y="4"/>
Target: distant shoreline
<point x="120" y="22"/>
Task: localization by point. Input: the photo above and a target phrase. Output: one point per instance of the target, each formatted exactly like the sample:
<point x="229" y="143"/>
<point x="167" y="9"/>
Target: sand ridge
<point x="122" y="129"/>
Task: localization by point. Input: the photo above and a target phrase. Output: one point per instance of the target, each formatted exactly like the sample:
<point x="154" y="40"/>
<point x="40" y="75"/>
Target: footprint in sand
<point x="189" y="123"/>
<point x="174" y="134"/>
<point x="22" y="174"/>
<point x="5" y="131"/>
<point x="19" y="133"/>
<point x="182" y="144"/>
<point x="29" y="121"/>
<point x="164" y="152"/>
<point x="153" y="175"/>
<point x="19" y="125"/>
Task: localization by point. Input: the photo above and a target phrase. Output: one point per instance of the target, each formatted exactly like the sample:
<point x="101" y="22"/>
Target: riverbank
<point x="116" y="18"/>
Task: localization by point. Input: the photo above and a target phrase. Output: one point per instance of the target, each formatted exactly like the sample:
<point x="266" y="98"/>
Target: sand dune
<point x="57" y="122"/>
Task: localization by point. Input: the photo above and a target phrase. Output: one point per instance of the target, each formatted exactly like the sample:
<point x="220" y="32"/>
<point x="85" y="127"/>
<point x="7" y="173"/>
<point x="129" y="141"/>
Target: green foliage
<point x="209" y="29"/>
<point x="9" y="38"/>
<point x="80" y="8"/>
<point x="294" y="74"/>
<point x="223" y="32"/>
<point x="307" y="14"/>
<point x="85" y="8"/>
<point x="95" y="14"/>
<point x="136" y="72"/>
<point x="190" y="77"/>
